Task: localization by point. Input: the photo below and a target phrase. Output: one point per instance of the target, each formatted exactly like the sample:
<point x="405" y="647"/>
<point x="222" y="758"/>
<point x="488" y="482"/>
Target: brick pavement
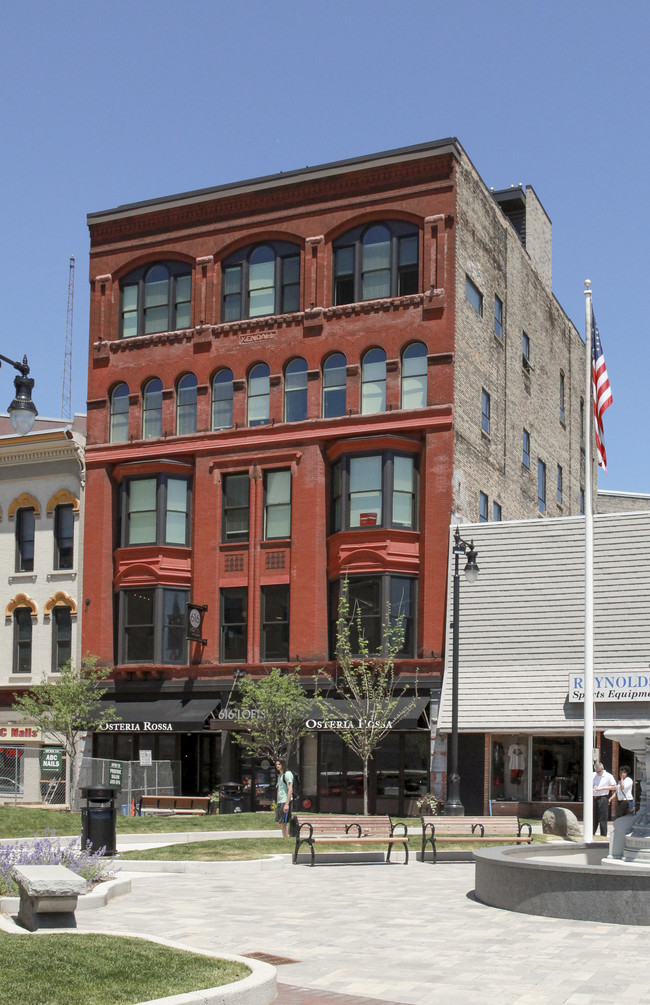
<point x="368" y="933"/>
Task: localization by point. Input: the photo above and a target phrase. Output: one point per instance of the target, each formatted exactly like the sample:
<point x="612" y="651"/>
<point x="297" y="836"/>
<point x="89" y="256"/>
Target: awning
<point x="415" y="717"/>
<point x="166" y="715"/>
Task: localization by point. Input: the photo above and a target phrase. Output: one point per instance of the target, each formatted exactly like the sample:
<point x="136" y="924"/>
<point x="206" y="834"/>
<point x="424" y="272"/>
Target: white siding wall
<point x="522" y="622"/>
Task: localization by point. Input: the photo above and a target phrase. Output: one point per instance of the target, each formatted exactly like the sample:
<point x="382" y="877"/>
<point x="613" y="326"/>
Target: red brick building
<point x="293" y="379"/>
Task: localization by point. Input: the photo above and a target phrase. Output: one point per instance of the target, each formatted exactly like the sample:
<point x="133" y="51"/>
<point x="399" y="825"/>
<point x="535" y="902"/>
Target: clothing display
<point x="516" y="762"/>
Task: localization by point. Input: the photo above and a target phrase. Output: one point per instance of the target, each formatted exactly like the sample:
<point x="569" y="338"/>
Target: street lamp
<point x="22" y="410"/>
<point x="453" y="805"/>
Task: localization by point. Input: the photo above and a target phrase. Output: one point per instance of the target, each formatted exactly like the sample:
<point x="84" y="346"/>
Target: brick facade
<point x="461" y="231"/>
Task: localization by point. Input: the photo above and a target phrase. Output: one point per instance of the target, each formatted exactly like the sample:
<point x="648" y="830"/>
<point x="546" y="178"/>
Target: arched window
<point x="334" y="385"/>
<point x="414" y="376"/>
<point x="186" y="404"/>
<point x="152" y="409"/>
<point x="376" y="261"/>
<point x="156" y="298"/>
<point x="119" y="419"/>
<point x="373" y="382"/>
<point x="222" y="399"/>
<point x="258" y="395"/>
<point x="261" y="279"/>
<point x="295" y="390"/>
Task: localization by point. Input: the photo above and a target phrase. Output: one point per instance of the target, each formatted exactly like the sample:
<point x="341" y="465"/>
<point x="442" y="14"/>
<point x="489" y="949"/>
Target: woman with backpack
<point x="283" y="799"/>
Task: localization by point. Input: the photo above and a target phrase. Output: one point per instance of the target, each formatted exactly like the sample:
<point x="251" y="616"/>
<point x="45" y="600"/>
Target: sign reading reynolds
<point x="612" y="687"/>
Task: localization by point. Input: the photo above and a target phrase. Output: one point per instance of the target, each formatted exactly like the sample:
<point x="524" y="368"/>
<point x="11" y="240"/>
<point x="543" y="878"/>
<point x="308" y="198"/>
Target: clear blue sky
<point x="105" y="104"/>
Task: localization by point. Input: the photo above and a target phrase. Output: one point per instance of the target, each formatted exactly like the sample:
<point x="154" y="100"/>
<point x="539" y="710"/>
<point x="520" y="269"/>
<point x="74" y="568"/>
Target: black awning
<point x="415" y="718"/>
<point x="166" y="715"/>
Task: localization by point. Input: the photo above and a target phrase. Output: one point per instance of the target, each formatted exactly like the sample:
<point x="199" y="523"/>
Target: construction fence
<point x="130" y="778"/>
<point x="32" y="775"/>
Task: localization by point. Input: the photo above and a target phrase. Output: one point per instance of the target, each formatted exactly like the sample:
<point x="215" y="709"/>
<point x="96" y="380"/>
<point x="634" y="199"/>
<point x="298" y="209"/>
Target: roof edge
<point x="448" y="145"/>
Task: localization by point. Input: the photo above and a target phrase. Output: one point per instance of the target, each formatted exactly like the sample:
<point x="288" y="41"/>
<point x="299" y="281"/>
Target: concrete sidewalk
<point x="396" y="934"/>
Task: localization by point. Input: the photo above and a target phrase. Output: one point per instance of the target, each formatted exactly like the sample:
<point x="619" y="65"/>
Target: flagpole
<point x="588" y="707"/>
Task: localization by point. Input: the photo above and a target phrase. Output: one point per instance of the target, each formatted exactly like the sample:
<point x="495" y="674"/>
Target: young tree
<point x="67" y="706"/>
<point x="367" y="684"/>
<point x="277" y="708"/>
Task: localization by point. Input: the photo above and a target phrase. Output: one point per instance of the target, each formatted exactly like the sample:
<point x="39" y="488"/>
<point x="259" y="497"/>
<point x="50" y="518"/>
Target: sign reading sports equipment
<point x="612" y="687"/>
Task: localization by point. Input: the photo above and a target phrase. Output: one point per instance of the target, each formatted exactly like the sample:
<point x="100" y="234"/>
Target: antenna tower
<point x="66" y="393"/>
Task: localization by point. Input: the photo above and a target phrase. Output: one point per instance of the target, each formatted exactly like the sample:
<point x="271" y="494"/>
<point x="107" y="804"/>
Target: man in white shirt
<point x="603" y="784"/>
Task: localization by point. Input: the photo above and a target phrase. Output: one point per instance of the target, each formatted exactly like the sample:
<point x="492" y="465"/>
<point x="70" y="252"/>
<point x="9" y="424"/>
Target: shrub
<point x="48" y="850"/>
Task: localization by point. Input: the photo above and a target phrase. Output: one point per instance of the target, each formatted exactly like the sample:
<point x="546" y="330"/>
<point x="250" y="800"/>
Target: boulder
<point x="564" y="823"/>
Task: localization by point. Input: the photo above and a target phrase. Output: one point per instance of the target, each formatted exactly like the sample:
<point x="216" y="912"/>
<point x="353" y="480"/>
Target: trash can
<point x="231" y="797"/>
<point x="98" y="818"/>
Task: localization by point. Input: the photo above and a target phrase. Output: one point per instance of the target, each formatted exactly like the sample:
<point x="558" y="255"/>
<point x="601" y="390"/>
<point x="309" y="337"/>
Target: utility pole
<point x="66" y="393"/>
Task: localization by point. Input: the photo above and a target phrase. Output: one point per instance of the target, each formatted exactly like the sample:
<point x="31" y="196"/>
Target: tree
<point x="366" y="683"/>
<point x="276" y="708"/>
<point x="67" y="706"/>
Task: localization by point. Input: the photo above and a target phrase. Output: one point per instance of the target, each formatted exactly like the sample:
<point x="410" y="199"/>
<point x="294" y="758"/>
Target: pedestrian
<point x="623" y="798"/>
<point x="283" y="798"/>
<point x="603" y="784"/>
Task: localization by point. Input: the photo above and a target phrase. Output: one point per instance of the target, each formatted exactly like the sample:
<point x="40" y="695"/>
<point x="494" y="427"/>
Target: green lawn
<point x="67" y="969"/>
<point x="21" y="822"/>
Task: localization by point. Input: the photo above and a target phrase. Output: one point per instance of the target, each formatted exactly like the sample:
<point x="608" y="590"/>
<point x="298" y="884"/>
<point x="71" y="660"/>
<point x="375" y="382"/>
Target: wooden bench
<point x="506" y="829"/>
<point x="173" y="805"/>
<point x="359" y="829"/>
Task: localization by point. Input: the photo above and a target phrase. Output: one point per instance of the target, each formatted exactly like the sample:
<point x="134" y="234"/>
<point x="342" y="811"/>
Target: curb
<point x="98" y="897"/>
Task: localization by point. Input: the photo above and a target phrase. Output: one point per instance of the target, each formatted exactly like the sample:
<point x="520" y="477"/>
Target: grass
<point x="25" y="821"/>
<point x="243" y="849"/>
<point x="67" y="969"/>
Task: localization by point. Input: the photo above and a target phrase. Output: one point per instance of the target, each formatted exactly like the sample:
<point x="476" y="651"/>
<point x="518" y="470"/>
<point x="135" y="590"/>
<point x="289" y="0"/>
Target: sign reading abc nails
<point x="194" y="623"/>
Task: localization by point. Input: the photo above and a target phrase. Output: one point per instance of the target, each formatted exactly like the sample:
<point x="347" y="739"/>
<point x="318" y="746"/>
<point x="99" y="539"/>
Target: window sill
<point x="486" y="436"/>
<point x="61" y="575"/>
<point x="23" y="577"/>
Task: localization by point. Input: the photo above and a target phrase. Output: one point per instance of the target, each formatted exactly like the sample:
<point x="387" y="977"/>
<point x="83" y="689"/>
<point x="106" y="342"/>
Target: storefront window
<point x="509" y="766"/>
<point x="557" y="769"/>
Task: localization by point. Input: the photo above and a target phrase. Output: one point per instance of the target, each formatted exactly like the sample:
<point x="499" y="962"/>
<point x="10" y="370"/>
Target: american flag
<point x="602" y="392"/>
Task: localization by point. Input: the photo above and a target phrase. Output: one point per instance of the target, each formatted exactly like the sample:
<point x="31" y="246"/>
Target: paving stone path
<point x="375" y="933"/>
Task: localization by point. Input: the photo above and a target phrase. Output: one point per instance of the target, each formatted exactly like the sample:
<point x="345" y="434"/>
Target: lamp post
<point x="22" y="410"/>
<point x="453" y="805"/>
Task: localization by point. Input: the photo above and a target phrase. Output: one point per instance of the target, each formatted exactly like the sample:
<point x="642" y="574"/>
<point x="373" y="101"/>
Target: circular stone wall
<point x="564" y="881"/>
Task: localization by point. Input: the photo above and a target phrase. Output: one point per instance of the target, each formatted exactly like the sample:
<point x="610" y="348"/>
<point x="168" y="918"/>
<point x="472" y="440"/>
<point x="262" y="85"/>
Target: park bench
<point x="173" y="805"/>
<point x="333" y="829"/>
<point x="506" y="829"/>
<point x="48" y="895"/>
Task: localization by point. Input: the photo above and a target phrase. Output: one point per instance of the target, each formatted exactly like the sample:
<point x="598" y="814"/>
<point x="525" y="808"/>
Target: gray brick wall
<point x="491" y="254"/>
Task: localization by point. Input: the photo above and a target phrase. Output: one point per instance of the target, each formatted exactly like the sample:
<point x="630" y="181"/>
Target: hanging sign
<point x="115" y="769"/>
<point x="194" y="623"/>
<point x="52" y="760"/>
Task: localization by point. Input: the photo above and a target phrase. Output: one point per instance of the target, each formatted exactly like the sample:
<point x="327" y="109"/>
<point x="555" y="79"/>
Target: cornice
<point x="287" y="436"/>
<point x="275" y="195"/>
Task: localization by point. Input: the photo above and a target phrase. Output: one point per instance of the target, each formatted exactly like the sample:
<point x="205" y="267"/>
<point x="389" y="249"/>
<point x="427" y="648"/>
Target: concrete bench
<point x="48" y="895"/>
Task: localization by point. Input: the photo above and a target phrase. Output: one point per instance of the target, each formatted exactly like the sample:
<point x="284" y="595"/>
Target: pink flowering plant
<point x="48" y="850"/>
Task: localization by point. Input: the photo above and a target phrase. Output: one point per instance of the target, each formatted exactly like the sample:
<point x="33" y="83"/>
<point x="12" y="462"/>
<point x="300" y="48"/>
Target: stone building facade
<point x="296" y="379"/>
<point x="42" y="479"/>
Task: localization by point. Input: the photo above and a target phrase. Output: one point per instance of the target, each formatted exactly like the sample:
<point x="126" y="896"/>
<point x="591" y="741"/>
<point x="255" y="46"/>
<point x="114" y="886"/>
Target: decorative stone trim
<point x="62" y="498"/>
<point x="20" y="600"/>
<point x="60" y="599"/>
<point x="24" y="501"/>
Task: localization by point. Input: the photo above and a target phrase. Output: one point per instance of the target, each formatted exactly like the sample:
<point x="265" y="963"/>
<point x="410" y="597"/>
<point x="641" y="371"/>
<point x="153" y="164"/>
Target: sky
<point x="102" y="105"/>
